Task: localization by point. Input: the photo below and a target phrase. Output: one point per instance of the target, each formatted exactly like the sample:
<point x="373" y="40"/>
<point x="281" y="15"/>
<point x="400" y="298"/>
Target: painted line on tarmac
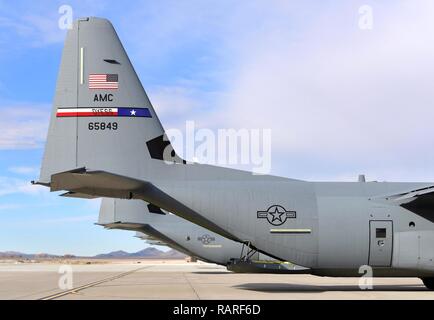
<point x="91" y="284"/>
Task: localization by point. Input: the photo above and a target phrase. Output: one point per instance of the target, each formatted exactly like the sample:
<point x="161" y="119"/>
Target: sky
<point x="340" y="98"/>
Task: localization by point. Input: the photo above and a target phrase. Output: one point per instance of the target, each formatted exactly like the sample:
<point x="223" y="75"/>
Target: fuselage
<point x="336" y="229"/>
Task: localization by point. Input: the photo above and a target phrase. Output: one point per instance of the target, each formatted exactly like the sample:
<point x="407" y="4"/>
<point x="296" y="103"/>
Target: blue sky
<point x="340" y="100"/>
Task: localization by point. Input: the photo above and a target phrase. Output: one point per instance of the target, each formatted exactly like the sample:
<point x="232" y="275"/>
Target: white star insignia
<point x="133" y="112"/>
<point x="277" y="215"/>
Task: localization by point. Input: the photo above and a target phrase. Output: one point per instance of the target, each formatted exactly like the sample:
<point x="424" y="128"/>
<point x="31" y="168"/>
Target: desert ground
<point x="179" y="279"/>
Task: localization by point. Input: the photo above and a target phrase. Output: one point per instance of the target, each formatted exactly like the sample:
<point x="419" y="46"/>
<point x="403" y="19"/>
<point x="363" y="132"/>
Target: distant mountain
<point x="173" y="254"/>
<point x="20" y="255"/>
<point x="148" y="253"/>
<point x="111" y="255"/>
<point x="14" y="254"/>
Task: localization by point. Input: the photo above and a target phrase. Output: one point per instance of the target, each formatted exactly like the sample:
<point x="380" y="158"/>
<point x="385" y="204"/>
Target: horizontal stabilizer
<point x="144" y="236"/>
<point x="97" y="183"/>
<point x="121" y="225"/>
<point x="149" y="239"/>
<point x="155" y="243"/>
<point x="100" y="183"/>
<point x="77" y="195"/>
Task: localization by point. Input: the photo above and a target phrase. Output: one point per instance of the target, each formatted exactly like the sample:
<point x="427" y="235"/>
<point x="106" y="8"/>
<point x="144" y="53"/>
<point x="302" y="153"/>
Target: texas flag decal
<point x="104" y="112"/>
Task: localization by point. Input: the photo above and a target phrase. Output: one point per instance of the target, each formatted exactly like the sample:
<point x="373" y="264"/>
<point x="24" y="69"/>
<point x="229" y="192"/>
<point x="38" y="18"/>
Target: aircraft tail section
<point x="105" y="139"/>
<point x="106" y="184"/>
<point x="137" y="215"/>
<point x="115" y="213"/>
<point x="101" y="116"/>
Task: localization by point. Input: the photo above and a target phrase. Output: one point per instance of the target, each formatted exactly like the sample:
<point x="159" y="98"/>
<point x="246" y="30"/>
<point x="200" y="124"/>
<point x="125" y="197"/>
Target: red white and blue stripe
<point x="104" y="112"/>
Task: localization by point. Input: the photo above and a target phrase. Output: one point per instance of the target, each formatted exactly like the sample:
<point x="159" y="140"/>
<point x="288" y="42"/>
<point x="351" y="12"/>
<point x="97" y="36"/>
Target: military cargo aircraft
<point x="158" y="227"/>
<point x="105" y="140"/>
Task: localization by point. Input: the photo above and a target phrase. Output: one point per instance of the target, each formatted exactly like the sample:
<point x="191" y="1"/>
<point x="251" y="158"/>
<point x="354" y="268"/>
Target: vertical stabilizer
<point x="101" y="117"/>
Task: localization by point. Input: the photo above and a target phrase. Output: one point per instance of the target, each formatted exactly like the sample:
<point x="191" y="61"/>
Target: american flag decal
<point x="103" y="81"/>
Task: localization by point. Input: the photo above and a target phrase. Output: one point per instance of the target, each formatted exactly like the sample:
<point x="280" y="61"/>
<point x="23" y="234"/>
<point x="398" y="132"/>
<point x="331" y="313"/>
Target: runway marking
<point x="191" y="286"/>
<point x="89" y="285"/>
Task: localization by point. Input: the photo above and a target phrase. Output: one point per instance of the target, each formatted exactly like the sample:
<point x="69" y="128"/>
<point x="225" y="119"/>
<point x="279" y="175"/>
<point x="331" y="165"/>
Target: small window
<point x="380" y="232"/>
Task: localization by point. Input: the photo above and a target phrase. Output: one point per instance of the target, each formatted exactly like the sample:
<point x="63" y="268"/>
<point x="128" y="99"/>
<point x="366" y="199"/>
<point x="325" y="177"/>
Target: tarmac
<point x="182" y="280"/>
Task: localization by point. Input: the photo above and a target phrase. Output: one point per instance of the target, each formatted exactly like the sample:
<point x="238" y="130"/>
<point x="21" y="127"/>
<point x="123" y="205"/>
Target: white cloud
<point x="37" y="25"/>
<point x="10" y="206"/>
<point x="93" y="204"/>
<point x="10" y="185"/>
<point x="23" y="127"/>
<point x="330" y="91"/>
<point x="24" y="170"/>
<point x="37" y="30"/>
<point x="174" y="101"/>
<point x="66" y="220"/>
<point x="45" y="29"/>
